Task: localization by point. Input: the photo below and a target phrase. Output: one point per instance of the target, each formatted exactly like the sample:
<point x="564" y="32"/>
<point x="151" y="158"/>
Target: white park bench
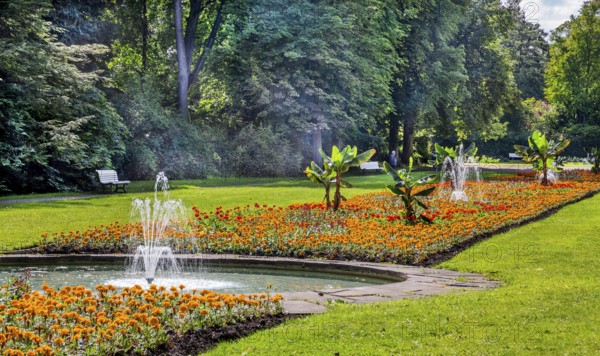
<point x="109" y="178"/>
<point x="514" y="156"/>
<point x="370" y="166"/>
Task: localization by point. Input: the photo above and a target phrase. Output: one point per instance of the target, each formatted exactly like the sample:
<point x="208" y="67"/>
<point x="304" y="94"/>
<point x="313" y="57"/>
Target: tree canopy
<point x="197" y="87"/>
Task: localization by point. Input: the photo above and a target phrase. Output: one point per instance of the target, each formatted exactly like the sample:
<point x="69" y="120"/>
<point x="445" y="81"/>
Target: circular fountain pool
<point x="234" y="278"/>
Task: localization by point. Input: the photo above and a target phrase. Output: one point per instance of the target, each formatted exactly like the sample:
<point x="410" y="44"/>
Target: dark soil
<point x="197" y="341"/>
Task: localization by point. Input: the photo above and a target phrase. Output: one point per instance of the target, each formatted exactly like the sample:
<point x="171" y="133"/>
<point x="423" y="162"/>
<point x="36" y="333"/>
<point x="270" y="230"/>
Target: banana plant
<point x="333" y="169"/>
<point x="321" y="176"/>
<point x="454" y="152"/>
<point x="405" y="188"/>
<point x="542" y="153"/>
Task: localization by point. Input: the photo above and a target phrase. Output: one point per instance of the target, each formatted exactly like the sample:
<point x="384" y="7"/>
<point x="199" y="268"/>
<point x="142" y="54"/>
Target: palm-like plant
<point x="321" y="176"/>
<point x="542" y="153"/>
<point x="405" y="189"/>
<point x="333" y="169"/>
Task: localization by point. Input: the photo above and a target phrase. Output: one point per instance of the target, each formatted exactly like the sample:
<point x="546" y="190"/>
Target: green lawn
<point x="548" y="303"/>
<point x="22" y="224"/>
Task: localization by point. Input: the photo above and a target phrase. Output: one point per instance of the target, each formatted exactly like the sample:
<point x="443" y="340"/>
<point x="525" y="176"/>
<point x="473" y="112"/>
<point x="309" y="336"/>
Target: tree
<point x="573" y="74"/>
<point x="312" y="67"/>
<point x="189" y="65"/>
<point x="490" y="87"/>
<point x="430" y="78"/>
<point x="56" y="127"/>
<point x="528" y="46"/>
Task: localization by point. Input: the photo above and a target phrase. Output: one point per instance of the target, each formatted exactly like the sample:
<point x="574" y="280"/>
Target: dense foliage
<point x="196" y="87"/>
<point x="573" y="76"/>
<point x="56" y="126"/>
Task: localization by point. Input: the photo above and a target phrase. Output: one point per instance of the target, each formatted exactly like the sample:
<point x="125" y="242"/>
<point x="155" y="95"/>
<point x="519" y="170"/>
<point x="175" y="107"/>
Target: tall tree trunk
<point x="317" y="143"/>
<point x="183" y="66"/>
<point x="186" y="45"/>
<point x="393" y="138"/>
<point x="144" y="38"/>
<point x="394" y="118"/>
<point x="408" y="137"/>
<point x="208" y="45"/>
<point x="336" y="139"/>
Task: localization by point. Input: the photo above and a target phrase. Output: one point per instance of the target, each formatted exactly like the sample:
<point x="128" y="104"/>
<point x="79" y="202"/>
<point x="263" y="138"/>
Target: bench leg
<point x="121" y="188"/>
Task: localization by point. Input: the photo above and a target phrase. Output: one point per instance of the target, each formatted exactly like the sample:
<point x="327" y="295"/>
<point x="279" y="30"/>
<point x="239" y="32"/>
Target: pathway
<point x="47" y="199"/>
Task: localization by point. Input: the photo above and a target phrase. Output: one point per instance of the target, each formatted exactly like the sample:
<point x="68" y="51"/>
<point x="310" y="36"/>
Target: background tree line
<point x="256" y="87"/>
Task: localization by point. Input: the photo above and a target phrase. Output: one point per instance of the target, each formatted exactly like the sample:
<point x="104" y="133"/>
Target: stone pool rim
<point x="405" y="281"/>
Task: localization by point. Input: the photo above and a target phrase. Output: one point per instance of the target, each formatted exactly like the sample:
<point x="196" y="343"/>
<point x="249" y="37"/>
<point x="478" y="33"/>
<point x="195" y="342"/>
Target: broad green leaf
<point x="336" y="155"/>
<point x="521" y="150"/>
<point x="393" y="189"/>
<point x="452" y="153"/>
<point x="420" y="203"/>
<point x="363" y="157"/>
<point x="561" y="146"/>
<point x="314" y="177"/>
<point x="539" y="143"/>
<point x="471" y="151"/>
<point x="440" y="150"/>
<point x="391" y="172"/>
<point x="346" y="184"/>
<point x="401" y="184"/>
<point x="425" y="192"/>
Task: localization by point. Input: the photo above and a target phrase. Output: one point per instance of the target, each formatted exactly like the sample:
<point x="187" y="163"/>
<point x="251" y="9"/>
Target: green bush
<point x="160" y="140"/>
<point x="259" y="151"/>
<point x="56" y="126"/>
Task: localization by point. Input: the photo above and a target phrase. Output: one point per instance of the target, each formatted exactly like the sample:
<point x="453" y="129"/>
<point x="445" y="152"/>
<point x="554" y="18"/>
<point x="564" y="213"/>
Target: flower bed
<point x="76" y="320"/>
<point x="369" y="227"/>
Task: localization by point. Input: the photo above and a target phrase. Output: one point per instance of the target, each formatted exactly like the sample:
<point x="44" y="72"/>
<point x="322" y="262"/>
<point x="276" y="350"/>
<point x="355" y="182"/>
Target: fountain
<point x="155" y="217"/>
<point x="457" y="167"/>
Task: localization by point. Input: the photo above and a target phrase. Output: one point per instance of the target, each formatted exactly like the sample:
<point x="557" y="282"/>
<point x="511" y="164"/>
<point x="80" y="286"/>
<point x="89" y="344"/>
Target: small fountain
<point x="155" y="217"/>
<point x="458" y="167"/>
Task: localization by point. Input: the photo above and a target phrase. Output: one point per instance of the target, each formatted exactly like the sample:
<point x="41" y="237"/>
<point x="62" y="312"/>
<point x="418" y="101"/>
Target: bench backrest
<point x="107" y="176"/>
<point x="370" y="165"/>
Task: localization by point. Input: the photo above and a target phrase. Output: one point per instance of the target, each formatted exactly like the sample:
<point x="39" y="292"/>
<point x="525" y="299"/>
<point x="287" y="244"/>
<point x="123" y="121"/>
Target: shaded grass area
<point x="22" y="224"/>
<point x="547" y="305"/>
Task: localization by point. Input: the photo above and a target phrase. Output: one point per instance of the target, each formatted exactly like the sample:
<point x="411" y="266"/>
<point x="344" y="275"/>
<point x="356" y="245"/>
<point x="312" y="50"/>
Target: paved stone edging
<point x="405" y="281"/>
<point x="48" y="199"/>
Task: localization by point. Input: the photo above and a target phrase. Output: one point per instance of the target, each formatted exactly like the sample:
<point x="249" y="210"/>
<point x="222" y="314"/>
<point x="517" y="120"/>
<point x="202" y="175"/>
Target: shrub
<point x="160" y="140"/>
<point x="259" y="151"/>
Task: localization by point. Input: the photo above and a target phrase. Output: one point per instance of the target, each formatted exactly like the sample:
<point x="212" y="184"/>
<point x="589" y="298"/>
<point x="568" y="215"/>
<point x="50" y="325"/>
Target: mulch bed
<point x="198" y="341"/>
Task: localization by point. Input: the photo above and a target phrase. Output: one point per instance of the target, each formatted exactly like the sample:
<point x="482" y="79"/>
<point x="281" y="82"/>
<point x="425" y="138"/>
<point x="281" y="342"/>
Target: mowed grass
<point x="22" y="224"/>
<point x="548" y="304"/>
